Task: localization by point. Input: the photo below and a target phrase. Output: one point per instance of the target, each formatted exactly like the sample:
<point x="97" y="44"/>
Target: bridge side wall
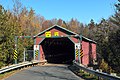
<point x="89" y="53"/>
<point x="85" y="48"/>
<point x="94" y="51"/>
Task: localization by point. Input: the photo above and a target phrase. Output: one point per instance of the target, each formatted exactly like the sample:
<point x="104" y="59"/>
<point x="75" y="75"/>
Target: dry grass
<point x="8" y="74"/>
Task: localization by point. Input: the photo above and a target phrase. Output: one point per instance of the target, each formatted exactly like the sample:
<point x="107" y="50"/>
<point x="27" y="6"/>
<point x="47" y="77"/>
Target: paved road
<point x="48" y="72"/>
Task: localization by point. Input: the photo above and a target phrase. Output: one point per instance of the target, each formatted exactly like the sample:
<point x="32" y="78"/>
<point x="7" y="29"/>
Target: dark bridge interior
<point x="58" y="50"/>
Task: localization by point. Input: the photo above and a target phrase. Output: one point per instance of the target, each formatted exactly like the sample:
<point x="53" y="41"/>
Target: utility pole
<point x="24" y="54"/>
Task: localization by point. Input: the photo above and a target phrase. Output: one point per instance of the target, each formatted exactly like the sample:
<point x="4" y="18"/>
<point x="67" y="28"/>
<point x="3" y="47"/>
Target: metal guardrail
<point x="99" y="74"/>
<point x="17" y="66"/>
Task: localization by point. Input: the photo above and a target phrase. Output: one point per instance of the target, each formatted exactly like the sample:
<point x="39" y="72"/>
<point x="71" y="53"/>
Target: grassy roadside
<point x="7" y="74"/>
<point x="82" y="74"/>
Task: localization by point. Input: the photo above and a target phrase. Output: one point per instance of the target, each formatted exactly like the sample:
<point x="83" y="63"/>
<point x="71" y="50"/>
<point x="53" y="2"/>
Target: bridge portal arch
<point x="58" y="45"/>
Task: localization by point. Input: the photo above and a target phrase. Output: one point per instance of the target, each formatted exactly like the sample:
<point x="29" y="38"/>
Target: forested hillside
<point x="21" y="21"/>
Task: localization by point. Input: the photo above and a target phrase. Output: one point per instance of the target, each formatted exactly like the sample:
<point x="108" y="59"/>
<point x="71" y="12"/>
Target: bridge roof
<point x="65" y="30"/>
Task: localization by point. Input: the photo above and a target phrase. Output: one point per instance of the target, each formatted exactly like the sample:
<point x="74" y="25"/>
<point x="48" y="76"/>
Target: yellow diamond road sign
<point x="48" y="34"/>
<point x="56" y="33"/>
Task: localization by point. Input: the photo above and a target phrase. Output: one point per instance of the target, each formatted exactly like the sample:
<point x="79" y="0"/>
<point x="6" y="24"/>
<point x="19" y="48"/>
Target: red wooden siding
<point x="85" y="58"/>
<point x="94" y="51"/>
<point x="38" y="40"/>
<point x="42" y="57"/>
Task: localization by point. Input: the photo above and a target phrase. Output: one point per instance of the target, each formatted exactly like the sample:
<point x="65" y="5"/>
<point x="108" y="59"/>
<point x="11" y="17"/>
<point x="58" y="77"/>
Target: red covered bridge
<point x="59" y="45"/>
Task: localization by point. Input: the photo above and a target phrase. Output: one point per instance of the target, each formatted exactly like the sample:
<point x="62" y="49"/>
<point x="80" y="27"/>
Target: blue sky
<point x="82" y="10"/>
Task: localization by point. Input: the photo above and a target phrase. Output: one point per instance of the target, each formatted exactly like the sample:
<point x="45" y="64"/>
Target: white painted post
<point x="24" y="54"/>
<point x="36" y="47"/>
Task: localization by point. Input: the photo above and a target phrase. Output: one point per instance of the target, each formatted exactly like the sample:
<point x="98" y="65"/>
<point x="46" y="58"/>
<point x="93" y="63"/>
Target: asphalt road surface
<point x="47" y="72"/>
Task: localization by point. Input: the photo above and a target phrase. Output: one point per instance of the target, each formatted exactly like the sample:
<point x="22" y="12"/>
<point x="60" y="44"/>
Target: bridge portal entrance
<point x="58" y="50"/>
